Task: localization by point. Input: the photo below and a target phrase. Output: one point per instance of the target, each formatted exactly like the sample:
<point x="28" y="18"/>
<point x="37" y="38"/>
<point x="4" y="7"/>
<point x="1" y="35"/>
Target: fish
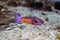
<point x="33" y="20"/>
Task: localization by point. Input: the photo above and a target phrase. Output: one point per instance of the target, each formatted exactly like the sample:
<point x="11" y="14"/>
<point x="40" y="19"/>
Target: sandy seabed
<point x="25" y="31"/>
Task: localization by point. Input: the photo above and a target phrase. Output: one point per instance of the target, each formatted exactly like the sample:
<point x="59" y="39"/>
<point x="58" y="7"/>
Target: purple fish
<point x="35" y="20"/>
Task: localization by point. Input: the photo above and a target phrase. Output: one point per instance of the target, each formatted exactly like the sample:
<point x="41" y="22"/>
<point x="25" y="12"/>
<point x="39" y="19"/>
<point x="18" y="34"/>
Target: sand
<point x="25" y="31"/>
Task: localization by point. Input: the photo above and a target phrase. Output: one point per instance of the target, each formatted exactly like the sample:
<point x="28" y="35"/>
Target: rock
<point x="7" y="17"/>
<point x="14" y="4"/>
